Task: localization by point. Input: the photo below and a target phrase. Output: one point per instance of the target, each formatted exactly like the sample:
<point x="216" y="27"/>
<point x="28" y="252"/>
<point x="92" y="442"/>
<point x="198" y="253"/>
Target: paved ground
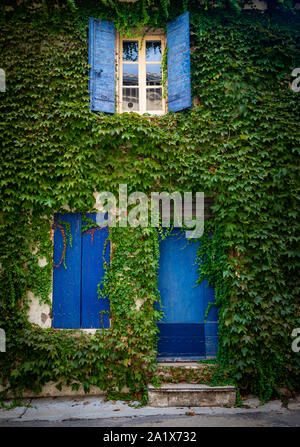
<point x="95" y="412"/>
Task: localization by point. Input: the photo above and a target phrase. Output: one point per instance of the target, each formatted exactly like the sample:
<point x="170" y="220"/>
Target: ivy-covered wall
<point x="238" y="143"/>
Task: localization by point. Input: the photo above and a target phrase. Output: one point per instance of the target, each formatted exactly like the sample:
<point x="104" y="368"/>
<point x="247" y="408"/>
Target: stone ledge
<point x="191" y="395"/>
<point x="50" y="390"/>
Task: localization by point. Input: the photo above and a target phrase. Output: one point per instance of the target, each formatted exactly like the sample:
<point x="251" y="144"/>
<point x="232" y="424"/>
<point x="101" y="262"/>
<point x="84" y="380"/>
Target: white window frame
<point x="154" y="35"/>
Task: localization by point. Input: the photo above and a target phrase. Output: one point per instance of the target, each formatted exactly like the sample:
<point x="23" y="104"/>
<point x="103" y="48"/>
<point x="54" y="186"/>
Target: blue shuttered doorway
<point x="183" y="333"/>
<point x="75" y="284"/>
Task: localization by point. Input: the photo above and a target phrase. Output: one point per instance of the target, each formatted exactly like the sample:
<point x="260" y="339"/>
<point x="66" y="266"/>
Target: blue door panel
<point x="177" y="279"/>
<point x="211" y="328"/>
<point x="66" y="281"/>
<point x="211" y="346"/>
<point x="181" y="340"/>
<point x="93" y="308"/>
<point x="183" y="332"/>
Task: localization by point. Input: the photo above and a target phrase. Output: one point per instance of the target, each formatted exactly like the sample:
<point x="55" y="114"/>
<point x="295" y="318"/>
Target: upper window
<point x="136" y="86"/>
<point x="140" y="75"/>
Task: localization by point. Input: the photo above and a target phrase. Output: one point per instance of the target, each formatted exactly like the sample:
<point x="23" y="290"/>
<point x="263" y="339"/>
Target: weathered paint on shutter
<point x="66" y="282"/>
<point x="93" y="243"/>
<point x="179" y="72"/>
<point x="102" y="60"/>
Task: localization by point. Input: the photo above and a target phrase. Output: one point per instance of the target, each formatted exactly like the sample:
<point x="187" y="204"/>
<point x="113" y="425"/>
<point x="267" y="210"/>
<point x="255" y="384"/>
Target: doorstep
<point x="191" y="395"/>
<point x="187" y="365"/>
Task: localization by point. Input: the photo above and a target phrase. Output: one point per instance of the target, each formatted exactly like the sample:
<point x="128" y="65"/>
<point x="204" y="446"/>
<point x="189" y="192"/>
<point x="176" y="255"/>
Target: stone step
<point x="191" y="372"/>
<point x="187" y="365"/>
<point x="191" y="395"/>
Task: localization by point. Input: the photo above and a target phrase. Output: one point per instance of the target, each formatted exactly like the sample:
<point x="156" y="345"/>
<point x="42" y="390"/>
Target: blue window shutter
<point x="102" y="61"/>
<point x="66" y="281"/>
<point x="179" y="72"/>
<point x="94" y="311"/>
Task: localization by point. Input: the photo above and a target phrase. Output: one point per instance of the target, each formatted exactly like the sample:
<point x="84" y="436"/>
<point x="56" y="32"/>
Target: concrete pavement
<point x="95" y="412"/>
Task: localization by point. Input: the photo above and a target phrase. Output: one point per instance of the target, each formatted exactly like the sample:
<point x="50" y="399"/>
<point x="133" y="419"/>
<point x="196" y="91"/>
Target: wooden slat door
<point x="183" y="333"/>
<point x="95" y="247"/>
<point x="66" y="281"/>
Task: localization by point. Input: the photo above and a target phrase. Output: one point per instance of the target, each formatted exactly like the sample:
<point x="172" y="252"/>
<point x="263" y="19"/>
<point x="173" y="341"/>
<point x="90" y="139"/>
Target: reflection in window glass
<point x="153" y="74"/>
<point x="154" y="99"/>
<point x="130" y="50"/>
<point x="153" y="50"/>
<point x="130" y="99"/>
<point x="130" y="74"/>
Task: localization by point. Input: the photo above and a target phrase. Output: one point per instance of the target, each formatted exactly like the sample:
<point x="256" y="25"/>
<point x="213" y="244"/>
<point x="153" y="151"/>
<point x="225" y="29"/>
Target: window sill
<point x="146" y="114"/>
<point x="76" y="332"/>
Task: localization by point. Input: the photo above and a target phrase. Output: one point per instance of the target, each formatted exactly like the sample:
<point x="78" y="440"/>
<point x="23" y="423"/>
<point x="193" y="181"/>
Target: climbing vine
<point x="65" y="230"/>
<point x="238" y="144"/>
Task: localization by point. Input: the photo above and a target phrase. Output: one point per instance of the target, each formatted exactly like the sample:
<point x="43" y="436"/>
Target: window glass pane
<point x="153" y="97"/>
<point x="153" y="50"/>
<point x="153" y="74"/>
<point x="130" y="99"/>
<point x="130" y="50"/>
<point x="130" y="74"/>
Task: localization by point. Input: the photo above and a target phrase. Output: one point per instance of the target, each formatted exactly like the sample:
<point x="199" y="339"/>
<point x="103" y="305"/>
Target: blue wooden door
<point x="66" y="271"/>
<point x="76" y="280"/>
<point x="95" y="248"/>
<point x="183" y="334"/>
